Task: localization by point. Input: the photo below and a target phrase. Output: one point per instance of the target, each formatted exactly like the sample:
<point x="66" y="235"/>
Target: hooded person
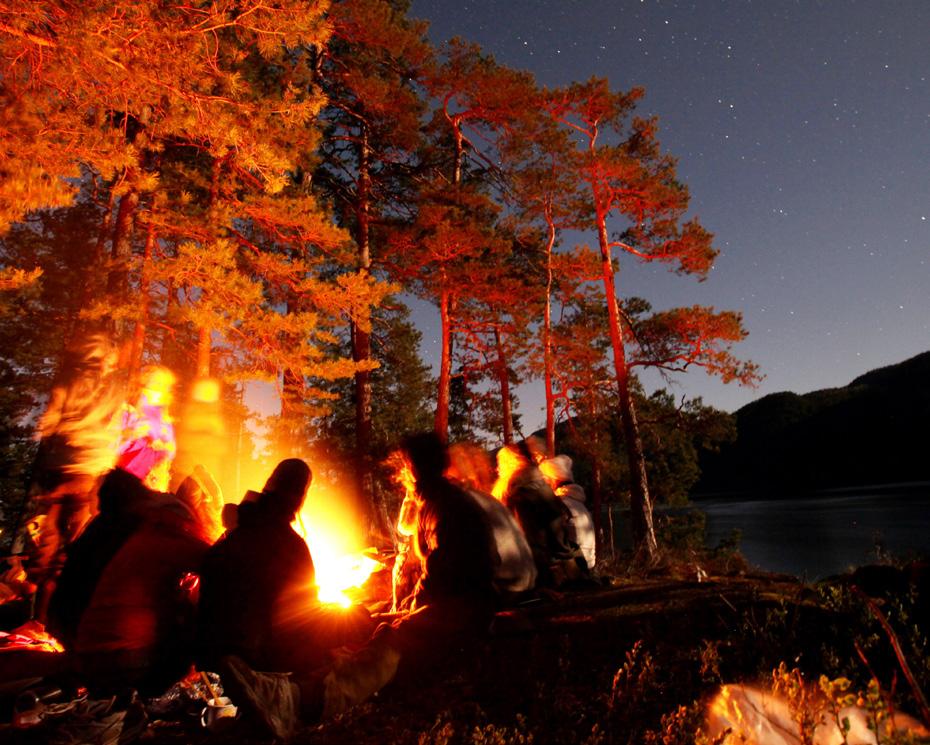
<point x="558" y="473"/>
<point x="515" y="573"/>
<point x="124" y="505"/>
<point x="260" y="619"/>
<point x="259" y="575"/>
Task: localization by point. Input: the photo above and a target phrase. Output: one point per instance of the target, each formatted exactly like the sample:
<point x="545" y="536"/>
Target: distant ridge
<point x="875" y="430"/>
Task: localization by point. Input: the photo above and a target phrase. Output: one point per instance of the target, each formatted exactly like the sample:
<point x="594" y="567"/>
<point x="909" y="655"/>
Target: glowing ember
<point x="333" y="536"/>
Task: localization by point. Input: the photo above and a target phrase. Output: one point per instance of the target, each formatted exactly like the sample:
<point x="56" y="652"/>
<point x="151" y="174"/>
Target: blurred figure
<point x="558" y="474"/>
<point x="455" y="598"/>
<point x="515" y="573"/>
<point x="201" y="431"/>
<point x="472" y="466"/>
<point x="138" y="627"/>
<point x="147" y="446"/>
<point x="78" y="435"/>
<point x="541" y="514"/>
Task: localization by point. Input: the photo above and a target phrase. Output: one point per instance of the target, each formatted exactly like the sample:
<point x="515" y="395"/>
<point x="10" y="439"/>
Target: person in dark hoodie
<point x="543" y="517"/>
<point x="260" y="618"/>
<point x="259" y="578"/>
<point x="123" y="503"/>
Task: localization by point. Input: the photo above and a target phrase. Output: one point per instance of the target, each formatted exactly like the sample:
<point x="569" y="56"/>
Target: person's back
<point x="259" y="578"/>
<point x="456" y="546"/>
<point x="542" y="516"/>
<point x="558" y="473"/>
<point x="124" y="503"/>
<point x="581" y="526"/>
<point x="516" y="571"/>
<point x="250" y="577"/>
<point x="138" y="626"/>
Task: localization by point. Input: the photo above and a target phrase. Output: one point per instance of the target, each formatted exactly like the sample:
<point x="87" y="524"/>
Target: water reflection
<point x="819" y="536"/>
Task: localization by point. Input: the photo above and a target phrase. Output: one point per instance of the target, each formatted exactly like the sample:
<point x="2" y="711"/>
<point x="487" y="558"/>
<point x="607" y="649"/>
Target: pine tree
<point x="634" y="195"/>
<point x="372" y="118"/>
<point x="453" y="230"/>
<point x="198" y="134"/>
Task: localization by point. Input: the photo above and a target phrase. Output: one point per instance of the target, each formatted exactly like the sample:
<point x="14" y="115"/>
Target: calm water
<point x="819" y="536"/>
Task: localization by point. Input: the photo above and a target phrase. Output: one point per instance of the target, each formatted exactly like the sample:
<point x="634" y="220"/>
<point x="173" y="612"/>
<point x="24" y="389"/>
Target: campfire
<point x="336" y="545"/>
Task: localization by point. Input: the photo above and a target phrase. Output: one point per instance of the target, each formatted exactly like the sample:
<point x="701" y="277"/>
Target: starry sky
<point x="802" y="129"/>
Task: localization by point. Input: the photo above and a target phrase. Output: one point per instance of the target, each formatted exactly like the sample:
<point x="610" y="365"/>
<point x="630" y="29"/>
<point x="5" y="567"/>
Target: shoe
<point x="356" y="677"/>
<point x="268" y="700"/>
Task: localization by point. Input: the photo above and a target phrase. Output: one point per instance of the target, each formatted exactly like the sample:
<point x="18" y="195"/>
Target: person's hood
<point x="571" y="491"/>
<point x="557" y="470"/>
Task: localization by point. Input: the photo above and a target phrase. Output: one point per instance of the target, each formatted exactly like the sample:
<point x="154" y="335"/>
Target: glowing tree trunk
<point x="138" y="338"/>
<point x="503" y="377"/>
<point x="640" y="503"/>
<point x="547" y="340"/>
<point x="121" y="250"/>
<point x="361" y="339"/>
<point x="441" y="422"/>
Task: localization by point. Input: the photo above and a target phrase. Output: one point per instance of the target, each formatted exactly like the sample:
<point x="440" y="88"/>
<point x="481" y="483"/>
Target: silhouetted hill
<point x="872" y="431"/>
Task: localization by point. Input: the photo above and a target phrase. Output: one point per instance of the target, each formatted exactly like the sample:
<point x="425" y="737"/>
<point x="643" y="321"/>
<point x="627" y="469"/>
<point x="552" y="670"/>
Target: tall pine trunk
<point x="361" y="344"/>
<point x="640" y="503"/>
<point x="205" y="335"/>
<point x="361" y="339"/>
<point x="445" y="304"/>
<point x="121" y="252"/>
<point x="547" y="340"/>
<point x="441" y="422"/>
<point x="203" y="353"/>
<point x="138" y="338"/>
<point x="503" y="377"/>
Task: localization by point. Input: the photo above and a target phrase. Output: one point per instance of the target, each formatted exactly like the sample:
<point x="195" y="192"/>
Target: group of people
<point x="159" y="580"/>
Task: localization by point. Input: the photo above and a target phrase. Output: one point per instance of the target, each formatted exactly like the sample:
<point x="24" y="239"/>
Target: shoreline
<point x="762" y="494"/>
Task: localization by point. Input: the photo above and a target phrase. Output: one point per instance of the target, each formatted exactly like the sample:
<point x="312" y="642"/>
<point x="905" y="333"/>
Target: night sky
<point x="803" y="132"/>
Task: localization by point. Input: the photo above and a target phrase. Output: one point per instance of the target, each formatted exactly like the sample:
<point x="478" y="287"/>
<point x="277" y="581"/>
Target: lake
<point x="822" y="535"/>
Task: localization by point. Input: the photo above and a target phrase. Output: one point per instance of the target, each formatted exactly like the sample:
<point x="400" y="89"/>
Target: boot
<point x="356" y="677"/>
<point x="269" y="700"/>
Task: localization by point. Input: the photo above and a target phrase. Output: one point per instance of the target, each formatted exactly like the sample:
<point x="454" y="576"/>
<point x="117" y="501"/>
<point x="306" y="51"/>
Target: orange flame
<point x="335" y="539"/>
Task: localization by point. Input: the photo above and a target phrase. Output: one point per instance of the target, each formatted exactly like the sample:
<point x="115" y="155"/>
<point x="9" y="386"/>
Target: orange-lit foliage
<point x="192" y="123"/>
<point x="676" y="339"/>
<point x="453" y="234"/>
<point x="636" y="205"/>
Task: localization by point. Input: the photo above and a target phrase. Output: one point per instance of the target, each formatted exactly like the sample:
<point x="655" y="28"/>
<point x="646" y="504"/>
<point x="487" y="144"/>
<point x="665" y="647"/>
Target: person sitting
<point x="542" y="516"/>
<point x="123" y="503"/>
<point x="515" y="573"/>
<point x="259" y="576"/>
<point x="558" y="474"/>
<point x="260" y="616"/>
<point x="455" y="597"/>
<point x="138" y="627"/>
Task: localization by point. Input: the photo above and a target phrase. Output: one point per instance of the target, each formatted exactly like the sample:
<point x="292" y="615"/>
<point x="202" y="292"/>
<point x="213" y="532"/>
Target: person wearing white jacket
<point x="558" y="472"/>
